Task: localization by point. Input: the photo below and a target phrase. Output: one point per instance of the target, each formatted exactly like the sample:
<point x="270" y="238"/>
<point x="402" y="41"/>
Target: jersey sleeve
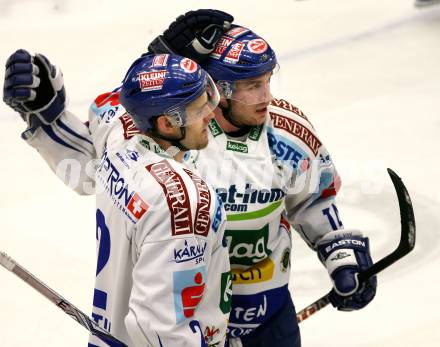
<point x="67" y="147"/>
<point x="314" y="181"/>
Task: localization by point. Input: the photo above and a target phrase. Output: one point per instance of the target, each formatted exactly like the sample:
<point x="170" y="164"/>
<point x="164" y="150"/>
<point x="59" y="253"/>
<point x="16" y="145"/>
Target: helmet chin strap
<point x="175" y="142"/>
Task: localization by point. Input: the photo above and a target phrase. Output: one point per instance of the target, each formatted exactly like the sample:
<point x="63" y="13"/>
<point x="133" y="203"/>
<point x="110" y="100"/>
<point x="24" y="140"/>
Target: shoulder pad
<point x="106" y="106"/>
<point x="282" y="104"/>
<point x="297" y="130"/>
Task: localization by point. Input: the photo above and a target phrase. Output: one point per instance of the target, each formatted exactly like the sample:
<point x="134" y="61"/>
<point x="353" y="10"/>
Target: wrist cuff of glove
<point x="159" y="45"/>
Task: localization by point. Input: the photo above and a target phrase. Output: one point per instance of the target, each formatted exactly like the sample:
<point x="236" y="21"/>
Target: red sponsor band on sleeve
<point x="176" y="194"/>
<point x="298" y="130"/>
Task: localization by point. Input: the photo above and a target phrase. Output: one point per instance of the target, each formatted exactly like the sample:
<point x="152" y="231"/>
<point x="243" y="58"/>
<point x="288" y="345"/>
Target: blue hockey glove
<point x="345" y="253"/>
<point x="34" y="88"/>
<point x="193" y="35"/>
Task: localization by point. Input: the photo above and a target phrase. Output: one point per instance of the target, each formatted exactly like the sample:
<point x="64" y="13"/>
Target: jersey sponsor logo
<point x="237" y="31"/>
<point x="122" y="159"/>
<point x="255" y="133"/>
<point x="202" y="220"/>
<point x="130" y="129"/>
<point x="131" y="155"/>
<point x="177" y="197"/>
<point x="257" y="46"/>
<point x="188" y="65"/>
<point x="190" y="252"/>
<point x="217" y="214"/>
<point x="111" y="99"/>
<point x="234" y="53"/>
<point x="214" y="128"/>
<point x="249" y="311"/>
<point x="289" y="107"/>
<point x="221" y="46"/>
<point x="286" y="150"/>
<point x="225" y="292"/>
<point x="235" y="201"/>
<point x="189" y="287"/>
<point x="106" y="106"/>
<point x="248" y="247"/>
<point x="298" y="130"/>
<point x="154" y="80"/>
<point x="128" y="201"/>
<point x="261" y="272"/>
<point x="237" y="147"/>
<point x="160" y="60"/>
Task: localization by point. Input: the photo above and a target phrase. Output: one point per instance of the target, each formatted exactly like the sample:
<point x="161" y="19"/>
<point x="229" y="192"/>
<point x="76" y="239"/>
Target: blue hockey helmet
<point x="165" y="84"/>
<point x="240" y="54"/>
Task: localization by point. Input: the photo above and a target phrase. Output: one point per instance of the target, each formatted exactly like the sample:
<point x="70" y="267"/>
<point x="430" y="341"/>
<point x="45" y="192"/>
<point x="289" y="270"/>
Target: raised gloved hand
<point x="34" y="88"/>
<point x="345" y="253"/>
<point x="193" y="35"/>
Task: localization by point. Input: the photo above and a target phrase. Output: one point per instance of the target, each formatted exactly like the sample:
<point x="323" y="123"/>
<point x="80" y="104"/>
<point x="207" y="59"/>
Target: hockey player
<point x="270" y="169"/>
<point x="162" y="266"/>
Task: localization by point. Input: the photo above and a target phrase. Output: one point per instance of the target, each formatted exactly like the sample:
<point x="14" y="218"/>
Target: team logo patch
<point x="188" y="65"/>
<point x="137" y="206"/>
<point x="237" y="31"/>
<point x="257" y="46"/>
<point x="234" y="53"/>
<point x="221" y="46"/>
<point x="285" y="260"/>
<point x="189" y="286"/>
<point x="160" y="60"/>
<point x="154" y="80"/>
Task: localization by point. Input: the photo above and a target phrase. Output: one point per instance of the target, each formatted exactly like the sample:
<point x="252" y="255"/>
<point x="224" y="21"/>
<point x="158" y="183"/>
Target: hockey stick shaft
<point x="11" y="265"/>
<point x="406" y="245"/>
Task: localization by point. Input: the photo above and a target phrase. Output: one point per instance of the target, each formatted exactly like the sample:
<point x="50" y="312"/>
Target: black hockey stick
<point x="11" y="265"/>
<point x="406" y="245"/>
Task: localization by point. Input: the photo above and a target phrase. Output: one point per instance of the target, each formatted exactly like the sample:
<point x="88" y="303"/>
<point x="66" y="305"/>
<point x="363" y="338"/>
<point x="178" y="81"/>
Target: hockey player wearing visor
<point x="162" y="266"/>
<point x="271" y="171"/>
<point x="269" y="168"/>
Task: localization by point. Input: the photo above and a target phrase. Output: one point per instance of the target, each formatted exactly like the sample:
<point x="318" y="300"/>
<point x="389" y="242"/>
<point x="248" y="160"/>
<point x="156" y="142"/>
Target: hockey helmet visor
<point x="249" y="91"/>
<point x="189" y="112"/>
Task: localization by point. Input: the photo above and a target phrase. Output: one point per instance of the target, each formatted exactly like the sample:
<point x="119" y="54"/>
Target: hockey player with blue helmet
<point x="273" y="155"/>
<point x="179" y="89"/>
<point x="162" y="266"/>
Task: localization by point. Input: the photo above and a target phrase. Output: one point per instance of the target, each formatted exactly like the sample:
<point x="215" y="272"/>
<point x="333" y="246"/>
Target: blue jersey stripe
<point x="70" y="131"/>
<point x="49" y="131"/>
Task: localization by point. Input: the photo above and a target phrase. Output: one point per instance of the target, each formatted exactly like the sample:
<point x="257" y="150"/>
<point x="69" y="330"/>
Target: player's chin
<point x="202" y="140"/>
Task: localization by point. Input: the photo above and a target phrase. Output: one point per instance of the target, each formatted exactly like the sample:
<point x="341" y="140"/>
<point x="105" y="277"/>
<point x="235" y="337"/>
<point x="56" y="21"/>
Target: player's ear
<point x="164" y="125"/>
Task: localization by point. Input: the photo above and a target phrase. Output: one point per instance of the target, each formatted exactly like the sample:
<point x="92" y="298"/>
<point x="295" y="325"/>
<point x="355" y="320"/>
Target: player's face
<point x="251" y="99"/>
<point x="196" y="134"/>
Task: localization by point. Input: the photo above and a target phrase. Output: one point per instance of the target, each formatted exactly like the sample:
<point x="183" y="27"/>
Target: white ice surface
<point x="366" y="72"/>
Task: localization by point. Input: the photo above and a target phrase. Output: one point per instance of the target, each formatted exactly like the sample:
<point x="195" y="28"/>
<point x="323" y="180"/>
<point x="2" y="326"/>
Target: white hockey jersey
<point x="279" y="174"/>
<point x="163" y="276"/>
